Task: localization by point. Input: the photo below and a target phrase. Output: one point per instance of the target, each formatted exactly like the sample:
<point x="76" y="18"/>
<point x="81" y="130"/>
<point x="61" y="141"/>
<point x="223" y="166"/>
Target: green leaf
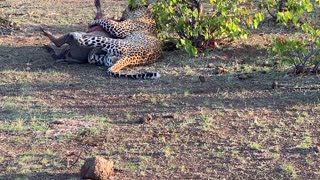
<point x="190" y="49"/>
<point x="195" y="13"/>
<point x="318" y="43"/>
<point x="309" y="7"/>
<point x="183" y="41"/>
<point x="255" y="23"/>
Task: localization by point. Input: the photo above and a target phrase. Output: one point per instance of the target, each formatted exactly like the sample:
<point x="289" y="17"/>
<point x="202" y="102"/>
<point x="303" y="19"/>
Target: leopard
<point x="134" y="42"/>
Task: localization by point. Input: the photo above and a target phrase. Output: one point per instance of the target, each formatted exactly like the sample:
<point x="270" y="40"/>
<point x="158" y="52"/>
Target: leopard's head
<point x="133" y="12"/>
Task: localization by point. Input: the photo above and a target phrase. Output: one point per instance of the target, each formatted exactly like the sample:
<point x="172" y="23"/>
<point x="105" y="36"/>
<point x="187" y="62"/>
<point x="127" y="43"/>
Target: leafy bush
<point x="190" y="26"/>
<point x="223" y="19"/>
<point x="297" y="52"/>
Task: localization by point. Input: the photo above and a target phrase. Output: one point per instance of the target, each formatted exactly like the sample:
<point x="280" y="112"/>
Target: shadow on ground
<point x="42" y="176"/>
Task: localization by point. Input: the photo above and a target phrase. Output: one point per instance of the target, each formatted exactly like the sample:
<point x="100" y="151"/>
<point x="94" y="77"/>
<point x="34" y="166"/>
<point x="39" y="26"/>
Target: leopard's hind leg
<point x="96" y="57"/>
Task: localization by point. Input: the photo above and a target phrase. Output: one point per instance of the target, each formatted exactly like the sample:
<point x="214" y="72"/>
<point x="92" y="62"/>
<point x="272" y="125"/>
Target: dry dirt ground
<point x="232" y="126"/>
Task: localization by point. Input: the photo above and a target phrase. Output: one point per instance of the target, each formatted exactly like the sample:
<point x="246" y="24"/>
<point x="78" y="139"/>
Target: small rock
<point x="96" y="168"/>
<point x="267" y="64"/>
<point x="221" y="70"/>
<point x="316" y="149"/>
<point x="202" y="79"/>
<point x="210" y="65"/>
<point x="146" y="119"/>
<point x="275" y="85"/>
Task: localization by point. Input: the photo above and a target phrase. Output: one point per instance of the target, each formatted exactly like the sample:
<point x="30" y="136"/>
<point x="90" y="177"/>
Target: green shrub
<point x="299" y="52"/>
<point x="190" y="26"/>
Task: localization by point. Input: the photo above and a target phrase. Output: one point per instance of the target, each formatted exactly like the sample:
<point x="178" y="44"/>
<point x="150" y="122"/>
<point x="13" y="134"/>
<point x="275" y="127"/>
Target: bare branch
<point x="308" y="56"/>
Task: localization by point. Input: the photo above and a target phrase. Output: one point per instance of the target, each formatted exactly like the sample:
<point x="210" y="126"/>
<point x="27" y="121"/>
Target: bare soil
<point x="232" y="125"/>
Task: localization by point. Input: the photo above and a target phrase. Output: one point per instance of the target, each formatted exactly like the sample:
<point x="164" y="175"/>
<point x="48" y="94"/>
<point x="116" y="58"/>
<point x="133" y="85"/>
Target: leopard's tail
<point x="147" y="75"/>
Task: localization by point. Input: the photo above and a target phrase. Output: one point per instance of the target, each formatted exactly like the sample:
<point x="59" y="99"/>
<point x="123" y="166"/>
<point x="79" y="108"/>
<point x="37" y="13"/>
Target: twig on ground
<point x="78" y="157"/>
